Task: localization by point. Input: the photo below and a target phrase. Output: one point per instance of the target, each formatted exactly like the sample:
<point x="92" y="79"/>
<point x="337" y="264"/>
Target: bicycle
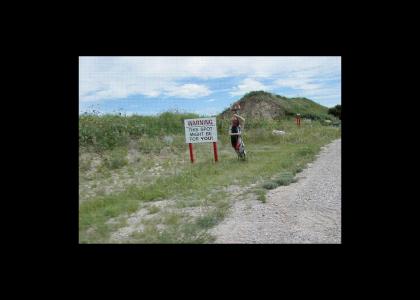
<point x="241" y="152"/>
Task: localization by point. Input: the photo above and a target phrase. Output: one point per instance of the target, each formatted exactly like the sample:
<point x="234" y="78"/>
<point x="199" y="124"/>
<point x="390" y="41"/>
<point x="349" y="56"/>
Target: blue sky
<point x="205" y="85"/>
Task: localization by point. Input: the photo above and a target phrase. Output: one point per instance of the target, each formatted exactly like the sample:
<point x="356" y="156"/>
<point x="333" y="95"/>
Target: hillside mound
<point x="260" y="104"/>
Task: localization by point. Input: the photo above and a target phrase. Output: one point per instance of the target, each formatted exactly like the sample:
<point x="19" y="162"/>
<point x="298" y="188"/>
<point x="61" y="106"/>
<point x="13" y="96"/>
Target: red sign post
<point x="298" y="119"/>
<point x="216" y="158"/>
<point x="191" y="153"/>
<point x="215" y="151"/>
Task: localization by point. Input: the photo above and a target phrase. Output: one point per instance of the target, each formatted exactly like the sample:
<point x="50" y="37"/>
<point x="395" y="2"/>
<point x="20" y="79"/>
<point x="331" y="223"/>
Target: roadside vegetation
<point x="137" y="185"/>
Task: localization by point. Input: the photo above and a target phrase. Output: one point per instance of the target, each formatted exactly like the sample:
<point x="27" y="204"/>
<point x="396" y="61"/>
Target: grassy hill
<point x="260" y="104"/>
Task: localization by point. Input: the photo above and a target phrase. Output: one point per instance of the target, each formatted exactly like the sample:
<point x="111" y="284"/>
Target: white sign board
<point x="203" y="130"/>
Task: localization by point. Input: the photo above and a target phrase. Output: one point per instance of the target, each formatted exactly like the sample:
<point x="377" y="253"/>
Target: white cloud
<point x="313" y="83"/>
<point x="208" y="111"/>
<point x="248" y="85"/>
<point x="297" y="83"/>
<point x="189" y="91"/>
<point x="119" y="77"/>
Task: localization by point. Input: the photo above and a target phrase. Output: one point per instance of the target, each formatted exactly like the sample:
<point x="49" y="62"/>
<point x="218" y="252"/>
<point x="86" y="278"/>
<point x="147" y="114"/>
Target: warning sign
<point x="202" y="130"/>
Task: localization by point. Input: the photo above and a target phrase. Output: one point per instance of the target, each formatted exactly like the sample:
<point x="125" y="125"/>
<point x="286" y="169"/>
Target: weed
<point x="261" y="195"/>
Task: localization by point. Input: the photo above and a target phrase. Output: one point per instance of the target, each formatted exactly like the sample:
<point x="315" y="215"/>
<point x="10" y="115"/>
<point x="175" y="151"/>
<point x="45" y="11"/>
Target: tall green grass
<point x="109" y="131"/>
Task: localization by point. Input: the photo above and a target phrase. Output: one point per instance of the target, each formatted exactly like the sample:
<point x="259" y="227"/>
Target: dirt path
<point x="308" y="211"/>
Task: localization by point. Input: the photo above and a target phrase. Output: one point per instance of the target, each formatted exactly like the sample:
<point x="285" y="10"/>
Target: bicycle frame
<point x="241" y="152"/>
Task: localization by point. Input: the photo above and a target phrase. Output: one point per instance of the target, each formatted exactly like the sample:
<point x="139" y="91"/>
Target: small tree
<point x="335" y="111"/>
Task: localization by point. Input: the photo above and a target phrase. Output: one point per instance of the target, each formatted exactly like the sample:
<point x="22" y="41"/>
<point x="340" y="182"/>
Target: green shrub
<point x="261" y="195"/>
<point x="285" y="179"/>
<point x="211" y="219"/>
<point x="270" y="185"/>
<point x="335" y="111"/>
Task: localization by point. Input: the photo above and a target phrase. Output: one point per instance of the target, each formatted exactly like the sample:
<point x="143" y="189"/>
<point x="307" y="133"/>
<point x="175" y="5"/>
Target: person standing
<point x="235" y="131"/>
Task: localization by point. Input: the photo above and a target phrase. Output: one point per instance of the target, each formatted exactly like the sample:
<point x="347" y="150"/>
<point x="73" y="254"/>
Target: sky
<point x="205" y="85"/>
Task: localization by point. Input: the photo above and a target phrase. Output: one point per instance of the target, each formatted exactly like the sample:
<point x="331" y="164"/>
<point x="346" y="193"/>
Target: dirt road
<point x="308" y="211"/>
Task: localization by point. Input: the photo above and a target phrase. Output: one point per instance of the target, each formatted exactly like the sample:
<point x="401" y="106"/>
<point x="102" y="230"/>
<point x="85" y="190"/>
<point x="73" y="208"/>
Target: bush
<point x="285" y="179"/>
<point x="313" y="117"/>
<point x="335" y="111"/>
<point x="270" y="185"/>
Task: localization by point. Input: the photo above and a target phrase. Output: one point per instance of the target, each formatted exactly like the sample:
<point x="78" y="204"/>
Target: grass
<point x="272" y="161"/>
<point x="261" y="195"/>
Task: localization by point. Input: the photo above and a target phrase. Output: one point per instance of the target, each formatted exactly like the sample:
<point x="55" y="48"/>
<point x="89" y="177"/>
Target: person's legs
<point x="238" y="144"/>
<point x="234" y="146"/>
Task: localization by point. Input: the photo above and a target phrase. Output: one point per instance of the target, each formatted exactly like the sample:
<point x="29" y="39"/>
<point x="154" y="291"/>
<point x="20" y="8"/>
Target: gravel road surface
<point x="307" y="211"/>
